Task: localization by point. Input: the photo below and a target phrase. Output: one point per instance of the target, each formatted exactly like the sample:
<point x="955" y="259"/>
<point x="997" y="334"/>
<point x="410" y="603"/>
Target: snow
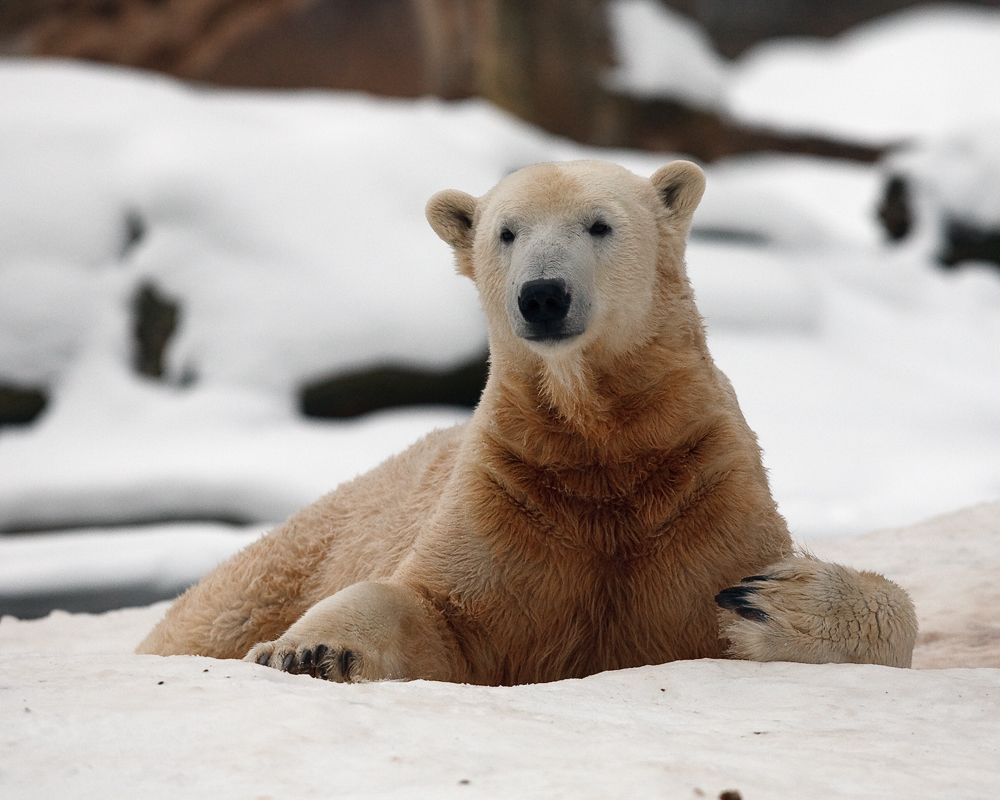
<point x="166" y="557"/>
<point x="661" y="53"/>
<point x="209" y="455"/>
<point x="197" y="728"/>
<point x="246" y="233"/>
<point x="84" y="716"/>
<point x="924" y="71"/>
<point x="948" y="565"/>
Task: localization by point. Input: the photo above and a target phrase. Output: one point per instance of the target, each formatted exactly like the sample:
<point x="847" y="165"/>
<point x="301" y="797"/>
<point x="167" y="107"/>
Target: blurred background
<point x="219" y="297"/>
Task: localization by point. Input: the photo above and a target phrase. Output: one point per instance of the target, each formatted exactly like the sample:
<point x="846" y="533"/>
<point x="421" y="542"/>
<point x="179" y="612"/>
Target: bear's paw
<point x="341" y="665"/>
<point x="806" y="610"/>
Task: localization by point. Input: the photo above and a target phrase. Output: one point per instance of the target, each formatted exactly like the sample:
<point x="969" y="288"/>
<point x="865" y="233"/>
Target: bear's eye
<point x="506" y="236"/>
<point x="599" y="228"/>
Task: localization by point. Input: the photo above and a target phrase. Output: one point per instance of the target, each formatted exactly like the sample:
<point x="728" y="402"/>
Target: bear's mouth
<point x="549" y="336"/>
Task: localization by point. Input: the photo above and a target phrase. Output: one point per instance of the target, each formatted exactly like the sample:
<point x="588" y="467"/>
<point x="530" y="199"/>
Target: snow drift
<point x="85" y="717"/>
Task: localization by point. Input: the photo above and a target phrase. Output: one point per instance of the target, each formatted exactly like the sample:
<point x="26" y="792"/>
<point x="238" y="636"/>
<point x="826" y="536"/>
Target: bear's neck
<point x="604" y="476"/>
<point x="574" y="413"/>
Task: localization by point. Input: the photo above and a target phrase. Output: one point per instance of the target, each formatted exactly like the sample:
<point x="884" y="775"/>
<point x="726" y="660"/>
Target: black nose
<point x="543" y="301"/>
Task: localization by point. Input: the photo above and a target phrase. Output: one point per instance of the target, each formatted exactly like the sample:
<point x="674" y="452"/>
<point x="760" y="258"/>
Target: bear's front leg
<point x="369" y="631"/>
<point x="802" y="609"/>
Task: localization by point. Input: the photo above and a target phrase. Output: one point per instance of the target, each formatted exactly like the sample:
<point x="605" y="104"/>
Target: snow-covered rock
<point x="663" y="54"/>
<point x="946" y="189"/>
<point x="921" y="71"/>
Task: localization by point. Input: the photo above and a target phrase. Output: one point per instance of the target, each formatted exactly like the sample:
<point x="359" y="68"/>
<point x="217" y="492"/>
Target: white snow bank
<point x="861" y="426"/>
<point x="796" y="203"/>
<point x="290" y="228"/>
<point x="185" y="459"/>
<point x="265" y="215"/>
<point x="925" y="70"/>
<point x="85" y="717"/>
<point x="661" y="53"/>
<point x="163" y="558"/>
<point x="962" y="171"/>
<point x="195" y="727"/>
<point x="851" y="359"/>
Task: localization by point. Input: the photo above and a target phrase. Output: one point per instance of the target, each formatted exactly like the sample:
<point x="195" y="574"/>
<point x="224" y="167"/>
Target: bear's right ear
<point x="451" y="215"/>
<point x="680" y="185"/>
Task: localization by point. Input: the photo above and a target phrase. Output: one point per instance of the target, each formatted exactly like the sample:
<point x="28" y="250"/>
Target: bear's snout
<point x="544" y="305"/>
<point x="544" y="301"/>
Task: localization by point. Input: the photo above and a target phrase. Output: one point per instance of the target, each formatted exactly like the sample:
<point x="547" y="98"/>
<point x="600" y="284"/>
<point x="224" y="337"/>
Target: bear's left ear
<point x="451" y="215"/>
<point x="680" y="185"/>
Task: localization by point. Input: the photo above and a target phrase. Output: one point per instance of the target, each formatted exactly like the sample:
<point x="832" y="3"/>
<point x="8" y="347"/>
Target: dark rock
<point x="154" y="320"/>
<point x="20" y="405"/>
<point x="328" y="44"/>
<point x="357" y="393"/>
<point x="895" y="211"/>
<point x="966" y="242"/>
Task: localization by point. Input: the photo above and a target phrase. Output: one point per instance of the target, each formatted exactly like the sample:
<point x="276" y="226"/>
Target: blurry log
<point x="20" y="404"/>
<point x="356" y="393"/>
<point x="964" y="241"/>
<point x="676" y="127"/>
<point x="542" y="60"/>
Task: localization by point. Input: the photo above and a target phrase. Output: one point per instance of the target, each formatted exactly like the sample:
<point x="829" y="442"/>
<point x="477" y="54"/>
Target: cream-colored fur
<point x="806" y="610"/>
<point x="605" y="492"/>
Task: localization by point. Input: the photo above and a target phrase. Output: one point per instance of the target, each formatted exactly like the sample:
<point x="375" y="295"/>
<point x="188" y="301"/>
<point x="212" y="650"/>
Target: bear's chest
<point x="613" y="513"/>
<point x="573" y="616"/>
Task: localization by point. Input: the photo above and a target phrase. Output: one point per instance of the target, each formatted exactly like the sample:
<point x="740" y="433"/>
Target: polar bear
<point x="603" y="502"/>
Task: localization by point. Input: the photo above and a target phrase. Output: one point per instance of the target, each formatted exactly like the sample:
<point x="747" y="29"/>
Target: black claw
<point x="286" y="664"/>
<point x="734" y="596"/>
<point x="306" y="661"/>
<point x="754" y="578"/>
<point x="319" y="665"/>
<point x="737" y="598"/>
<point x="347" y="659"/>
<point x="263" y="658"/>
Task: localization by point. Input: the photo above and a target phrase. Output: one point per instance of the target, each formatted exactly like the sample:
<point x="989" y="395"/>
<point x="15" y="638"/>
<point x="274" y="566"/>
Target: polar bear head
<point x="575" y="256"/>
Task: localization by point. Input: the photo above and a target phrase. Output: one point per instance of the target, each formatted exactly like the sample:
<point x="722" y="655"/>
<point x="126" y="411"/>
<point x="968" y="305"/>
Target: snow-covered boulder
<point x="943" y="195"/>
<point x="663" y="54"/>
<point x="925" y="70"/>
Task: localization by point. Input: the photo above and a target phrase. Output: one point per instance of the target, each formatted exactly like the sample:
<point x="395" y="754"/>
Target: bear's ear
<point x="450" y="214"/>
<point x="680" y="185"/>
